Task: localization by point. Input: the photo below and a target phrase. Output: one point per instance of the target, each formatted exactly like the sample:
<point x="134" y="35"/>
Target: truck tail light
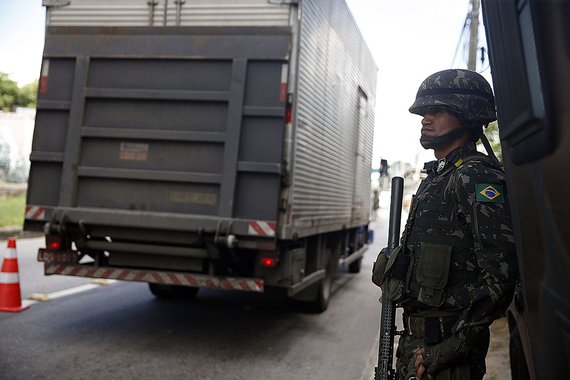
<point x="269" y="262"/>
<point x="53" y="242"/>
<point x="268" y="259"/>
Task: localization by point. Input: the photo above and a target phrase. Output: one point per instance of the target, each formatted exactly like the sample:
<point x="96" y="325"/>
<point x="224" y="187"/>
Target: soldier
<point x="455" y="269"/>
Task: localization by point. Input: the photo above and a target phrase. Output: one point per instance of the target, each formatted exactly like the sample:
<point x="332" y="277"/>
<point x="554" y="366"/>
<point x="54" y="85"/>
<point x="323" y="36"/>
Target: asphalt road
<point x="121" y="331"/>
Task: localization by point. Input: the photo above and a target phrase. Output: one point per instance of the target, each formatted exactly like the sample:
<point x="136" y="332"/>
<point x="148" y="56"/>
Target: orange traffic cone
<point x="10" y="295"/>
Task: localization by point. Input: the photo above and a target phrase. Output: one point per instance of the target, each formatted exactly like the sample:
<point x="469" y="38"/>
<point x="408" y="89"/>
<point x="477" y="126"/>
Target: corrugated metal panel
<point x="333" y="139"/>
<point x="188" y="13"/>
<point x="103" y="13"/>
<point x="232" y="13"/>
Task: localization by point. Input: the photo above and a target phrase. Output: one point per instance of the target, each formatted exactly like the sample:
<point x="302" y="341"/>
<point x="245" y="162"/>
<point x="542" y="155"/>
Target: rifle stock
<point x="384" y="370"/>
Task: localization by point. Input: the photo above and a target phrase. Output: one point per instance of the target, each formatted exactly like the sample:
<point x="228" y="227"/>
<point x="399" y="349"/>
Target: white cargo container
<point x="222" y="143"/>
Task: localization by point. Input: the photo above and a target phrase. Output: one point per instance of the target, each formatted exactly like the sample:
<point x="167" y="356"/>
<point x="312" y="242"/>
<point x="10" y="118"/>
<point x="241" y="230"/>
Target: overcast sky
<point x="409" y="39"/>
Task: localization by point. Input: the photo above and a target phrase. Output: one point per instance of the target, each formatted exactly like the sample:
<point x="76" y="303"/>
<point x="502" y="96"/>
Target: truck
<point x="204" y="144"/>
<point x="529" y="46"/>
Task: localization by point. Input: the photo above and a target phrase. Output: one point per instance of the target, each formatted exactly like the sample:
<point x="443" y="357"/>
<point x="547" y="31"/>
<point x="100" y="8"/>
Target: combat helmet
<point x="465" y="92"/>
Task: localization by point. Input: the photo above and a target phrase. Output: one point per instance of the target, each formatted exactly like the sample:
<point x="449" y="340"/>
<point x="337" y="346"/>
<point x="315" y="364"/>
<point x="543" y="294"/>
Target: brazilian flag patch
<point x="487" y="192"/>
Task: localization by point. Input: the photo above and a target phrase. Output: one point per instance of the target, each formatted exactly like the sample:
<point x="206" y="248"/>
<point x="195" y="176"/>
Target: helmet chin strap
<point x="439" y="142"/>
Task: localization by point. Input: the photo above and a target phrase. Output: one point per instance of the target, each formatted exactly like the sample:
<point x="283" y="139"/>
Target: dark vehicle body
<point x="529" y="45"/>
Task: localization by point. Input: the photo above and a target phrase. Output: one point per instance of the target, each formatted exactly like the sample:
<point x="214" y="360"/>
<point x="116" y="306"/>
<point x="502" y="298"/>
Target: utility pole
<point x="473" y="38"/>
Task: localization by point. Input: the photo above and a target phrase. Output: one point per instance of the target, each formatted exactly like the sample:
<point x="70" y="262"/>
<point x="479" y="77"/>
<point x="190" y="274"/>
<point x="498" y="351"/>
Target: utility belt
<point x="433" y="329"/>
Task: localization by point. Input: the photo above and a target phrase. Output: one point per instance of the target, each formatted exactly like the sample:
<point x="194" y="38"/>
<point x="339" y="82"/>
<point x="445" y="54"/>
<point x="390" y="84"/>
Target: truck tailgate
<point x="174" y="128"/>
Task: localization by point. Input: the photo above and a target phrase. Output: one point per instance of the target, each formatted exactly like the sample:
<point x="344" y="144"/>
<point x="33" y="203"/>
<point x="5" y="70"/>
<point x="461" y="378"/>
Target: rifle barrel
<point x="396" y="198"/>
<point x="384" y="371"/>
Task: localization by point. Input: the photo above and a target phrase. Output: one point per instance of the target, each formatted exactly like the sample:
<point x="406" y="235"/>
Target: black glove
<point x="379" y="267"/>
<point x="442" y="355"/>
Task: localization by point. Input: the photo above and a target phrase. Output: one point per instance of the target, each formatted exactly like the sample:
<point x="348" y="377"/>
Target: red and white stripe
<point x="167" y="278"/>
<point x="283" y="91"/>
<point x="44" y="77"/>
<point x="9" y="272"/>
<point x="261" y="228"/>
<point x="35" y="212"/>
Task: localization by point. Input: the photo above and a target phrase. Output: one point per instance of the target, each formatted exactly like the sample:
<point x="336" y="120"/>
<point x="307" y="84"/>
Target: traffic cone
<point x="10" y="295"/>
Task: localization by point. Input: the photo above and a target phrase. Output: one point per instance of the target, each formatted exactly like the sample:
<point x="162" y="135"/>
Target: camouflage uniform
<point x="460" y="211"/>
<point x="455" y="270"/>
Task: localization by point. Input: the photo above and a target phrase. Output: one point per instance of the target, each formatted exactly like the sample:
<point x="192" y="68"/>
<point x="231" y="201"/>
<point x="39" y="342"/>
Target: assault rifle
<point x="384" y="370"/>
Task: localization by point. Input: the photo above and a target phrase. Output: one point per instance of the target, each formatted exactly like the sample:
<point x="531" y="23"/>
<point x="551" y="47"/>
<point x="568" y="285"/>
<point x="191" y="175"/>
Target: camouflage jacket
<point x="459" y="219"/>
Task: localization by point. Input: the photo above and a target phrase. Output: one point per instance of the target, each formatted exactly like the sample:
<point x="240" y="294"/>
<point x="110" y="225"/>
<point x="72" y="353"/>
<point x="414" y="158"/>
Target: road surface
<point x="121" y="331"/>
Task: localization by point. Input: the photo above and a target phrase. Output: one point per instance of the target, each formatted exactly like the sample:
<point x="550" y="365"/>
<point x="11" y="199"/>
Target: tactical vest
<point x="438" y="266"/>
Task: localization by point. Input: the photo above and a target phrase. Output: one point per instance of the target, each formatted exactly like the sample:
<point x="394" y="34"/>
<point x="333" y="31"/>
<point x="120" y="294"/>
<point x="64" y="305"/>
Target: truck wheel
<point x="355" y="266"/>
<point x="172" y="291"/>
<point x="321" y="302"/>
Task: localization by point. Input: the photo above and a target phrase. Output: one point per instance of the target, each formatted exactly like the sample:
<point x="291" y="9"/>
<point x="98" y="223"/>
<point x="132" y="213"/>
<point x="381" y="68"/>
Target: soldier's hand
<point x="379" y="267"/>
<point x="419" y="358"/>
<point x="440" y="356"/>
<point x="420" y="369"/>
<point x="421" y="373"/>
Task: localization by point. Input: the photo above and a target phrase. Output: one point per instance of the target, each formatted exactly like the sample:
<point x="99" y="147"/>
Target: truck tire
<point x="321" y="301"/>
<point x="172" y="291"/>
<point x="355" y="266"/>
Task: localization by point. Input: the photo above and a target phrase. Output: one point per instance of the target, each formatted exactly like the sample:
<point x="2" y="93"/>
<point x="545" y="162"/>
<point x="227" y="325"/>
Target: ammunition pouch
<point x="379" y="268"/>
<point x="432" y="273"/>
<point x="395" y="275"/>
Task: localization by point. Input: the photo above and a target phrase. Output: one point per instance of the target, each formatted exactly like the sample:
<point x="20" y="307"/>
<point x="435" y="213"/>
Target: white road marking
<point x="40" y="297"/>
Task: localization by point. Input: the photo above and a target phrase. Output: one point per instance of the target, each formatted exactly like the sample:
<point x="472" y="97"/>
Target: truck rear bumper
<point x="157" y="277"/>
<point x="149" y="220"/>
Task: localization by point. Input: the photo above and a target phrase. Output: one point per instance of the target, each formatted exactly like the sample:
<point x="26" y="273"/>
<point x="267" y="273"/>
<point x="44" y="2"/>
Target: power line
<point x="470" y="47"/>
<point x="461" y="36"/>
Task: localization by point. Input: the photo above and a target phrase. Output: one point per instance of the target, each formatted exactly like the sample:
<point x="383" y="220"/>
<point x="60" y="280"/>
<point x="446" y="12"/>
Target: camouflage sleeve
<point x="480" y="192"/>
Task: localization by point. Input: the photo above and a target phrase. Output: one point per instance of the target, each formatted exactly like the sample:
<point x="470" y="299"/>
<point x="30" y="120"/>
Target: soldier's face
<point x="438" y="122"/>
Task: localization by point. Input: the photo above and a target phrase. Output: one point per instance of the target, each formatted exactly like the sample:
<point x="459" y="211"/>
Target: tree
<point x="28" y="95"/>
<point x="12" y="96"/>
<point x="9" y="92"/>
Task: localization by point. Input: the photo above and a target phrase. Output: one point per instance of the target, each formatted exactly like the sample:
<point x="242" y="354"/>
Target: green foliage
<point x="8" y="92"/>
<point x="11" y="96"/>
<point x="492" y="133"/>
<point x="28" y="95"/>
<point x="12" y="211"/>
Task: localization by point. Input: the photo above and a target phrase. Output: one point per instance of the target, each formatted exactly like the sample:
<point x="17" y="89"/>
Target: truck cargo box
<point x="169" y="124"/>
